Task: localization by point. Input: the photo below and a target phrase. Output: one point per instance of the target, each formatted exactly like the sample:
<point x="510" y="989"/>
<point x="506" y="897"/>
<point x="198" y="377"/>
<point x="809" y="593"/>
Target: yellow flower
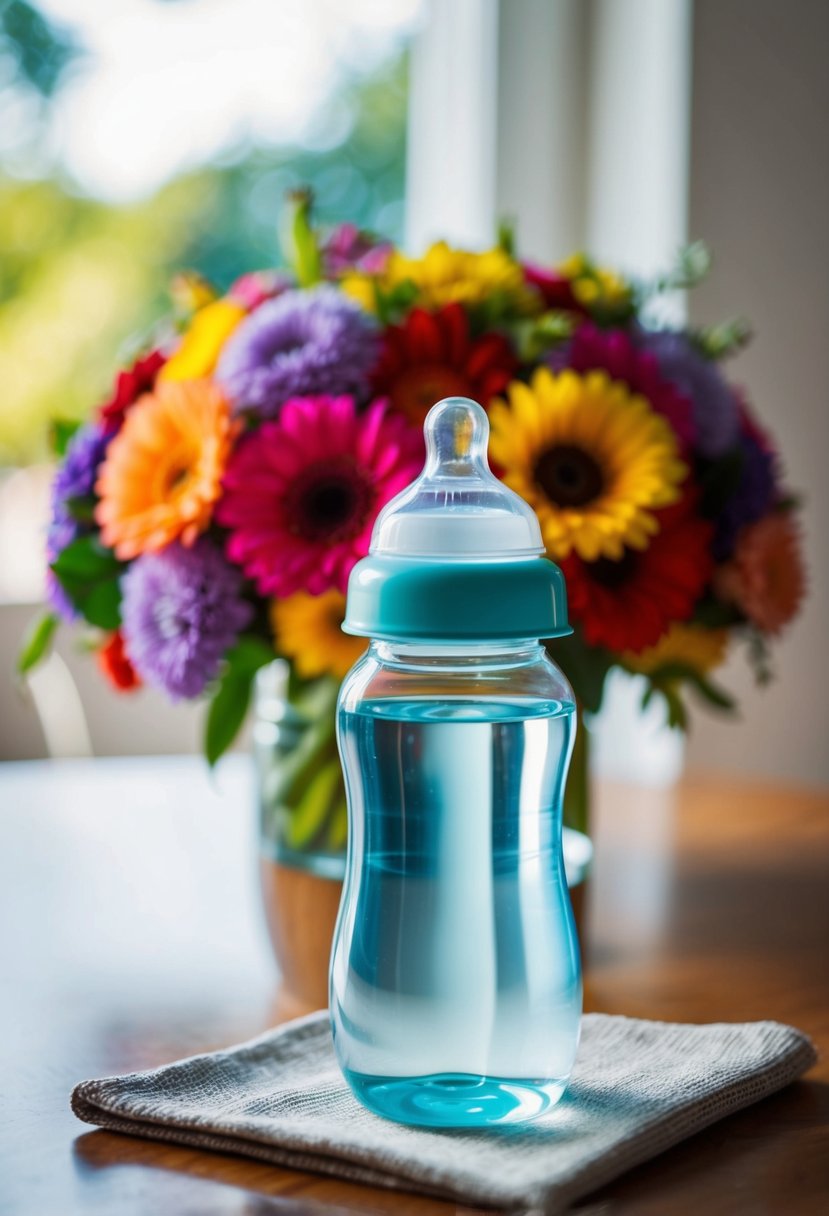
<point x="307" y="631"/>
<point x="595" y="286"/>
<point x="691" y="645"/>
<point x="163" y="470"/>
<point x="592" y="459"/>
<point x="444" y="275"/>
<point x="201" y="345"/>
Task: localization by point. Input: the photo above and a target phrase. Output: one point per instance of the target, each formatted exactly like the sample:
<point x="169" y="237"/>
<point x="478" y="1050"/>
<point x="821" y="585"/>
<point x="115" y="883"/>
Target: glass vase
<point x="302" y="808"/>
<point x="303" y="831"/>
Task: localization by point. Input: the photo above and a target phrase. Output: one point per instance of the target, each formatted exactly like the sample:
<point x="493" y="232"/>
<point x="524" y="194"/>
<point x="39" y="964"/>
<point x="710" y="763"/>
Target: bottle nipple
<point x="457" y="509"/>
<point x="457" y="434"/>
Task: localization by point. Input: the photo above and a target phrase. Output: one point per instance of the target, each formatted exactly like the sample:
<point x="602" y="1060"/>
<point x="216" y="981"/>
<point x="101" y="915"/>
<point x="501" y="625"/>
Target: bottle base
<point x="455" y="1099"/>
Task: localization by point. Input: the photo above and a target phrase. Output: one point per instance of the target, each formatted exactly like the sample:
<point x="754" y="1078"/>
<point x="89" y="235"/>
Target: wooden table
<point x="131" y="934"/>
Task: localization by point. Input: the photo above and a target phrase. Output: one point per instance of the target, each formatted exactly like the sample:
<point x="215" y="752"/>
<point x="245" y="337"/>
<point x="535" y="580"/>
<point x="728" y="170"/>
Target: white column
<point x="543" y="89"/>
<point x="638" y="132"/>
<point x="450" y="171"/>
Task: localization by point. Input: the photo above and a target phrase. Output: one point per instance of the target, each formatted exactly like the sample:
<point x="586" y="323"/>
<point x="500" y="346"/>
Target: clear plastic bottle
<point x="455" y="978"/>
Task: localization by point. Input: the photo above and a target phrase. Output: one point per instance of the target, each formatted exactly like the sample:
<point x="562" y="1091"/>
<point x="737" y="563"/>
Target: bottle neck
<point x="435" y="656"/>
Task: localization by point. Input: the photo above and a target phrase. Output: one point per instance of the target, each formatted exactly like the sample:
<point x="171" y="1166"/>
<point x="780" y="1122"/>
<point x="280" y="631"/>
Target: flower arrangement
<point x="205" y="520"/>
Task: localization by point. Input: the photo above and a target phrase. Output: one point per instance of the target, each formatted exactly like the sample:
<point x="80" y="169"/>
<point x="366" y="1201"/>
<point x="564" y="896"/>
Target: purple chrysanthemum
<point x="73" y="480"/>
<point x="751" y="500"/>
<point x="299" y="345"/>
<point x="716" y="413"/>
<point x="182" y="610"/>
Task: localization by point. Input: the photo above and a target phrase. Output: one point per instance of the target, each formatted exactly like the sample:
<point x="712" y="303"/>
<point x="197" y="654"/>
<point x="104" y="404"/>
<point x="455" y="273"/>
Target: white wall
<point x="760" y="196"/>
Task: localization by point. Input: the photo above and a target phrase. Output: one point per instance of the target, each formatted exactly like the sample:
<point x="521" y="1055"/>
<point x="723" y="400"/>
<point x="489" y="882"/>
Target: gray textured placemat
<point x="638" y="1087"/>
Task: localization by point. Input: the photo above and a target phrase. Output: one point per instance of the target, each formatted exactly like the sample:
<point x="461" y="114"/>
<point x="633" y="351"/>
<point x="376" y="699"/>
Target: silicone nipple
<point x="457" y="508"/>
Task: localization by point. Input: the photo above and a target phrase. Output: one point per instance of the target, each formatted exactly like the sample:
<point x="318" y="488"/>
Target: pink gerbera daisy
<point x="612" y="350"/>
<point x="301" y="493"/>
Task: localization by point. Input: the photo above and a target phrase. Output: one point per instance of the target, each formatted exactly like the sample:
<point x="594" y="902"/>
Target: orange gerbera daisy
<point x="163" y="470"/>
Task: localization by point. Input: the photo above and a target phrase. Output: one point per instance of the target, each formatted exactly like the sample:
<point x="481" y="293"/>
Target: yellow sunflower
<point x="691" y="645"/>
<point x="199" y="350"/>
<point x="444" y="275"/>
<point x="592" y="458"/>
<point x="307" y="631"/>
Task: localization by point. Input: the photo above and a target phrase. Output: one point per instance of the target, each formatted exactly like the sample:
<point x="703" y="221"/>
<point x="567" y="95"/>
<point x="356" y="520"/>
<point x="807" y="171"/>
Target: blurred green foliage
<point x="34" y="52"/>
<point x="82" y="282"/>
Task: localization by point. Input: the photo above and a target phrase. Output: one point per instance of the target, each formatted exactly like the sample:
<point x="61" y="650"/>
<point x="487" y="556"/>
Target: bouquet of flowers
<point x="205" y="520"/>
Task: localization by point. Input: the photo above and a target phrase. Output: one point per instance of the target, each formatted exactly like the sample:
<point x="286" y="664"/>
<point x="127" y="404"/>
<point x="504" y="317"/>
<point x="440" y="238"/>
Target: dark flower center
<point x="612" y="574"/>
<point x="329" y="501"/>
<point x="569" y="476"/>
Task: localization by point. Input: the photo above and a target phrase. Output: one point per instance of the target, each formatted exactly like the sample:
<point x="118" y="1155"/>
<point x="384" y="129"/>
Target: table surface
<point x="131" y="934"/>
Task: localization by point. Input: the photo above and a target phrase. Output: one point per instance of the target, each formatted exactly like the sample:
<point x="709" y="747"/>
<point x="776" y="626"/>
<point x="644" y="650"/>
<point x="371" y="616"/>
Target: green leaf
<point x="89" y="575"/>
<point x="390" y="306"/>
<point x="231" y="699"/>
<point x="677" y="713"/>
<point x="676" y="673"/>
<point x="586" y="667"/>
<point x="720" y="341"/>
<point x="86" y="560"/>
<point x="82" y="508"/>
<point x="101" y="604"/>
<point x="249" y="654"/>
<point x="60" y="434"/>
<point x="300" y="242"/>
<point x="313" y="809"/>
<point x="37" y="642"/>
<point x="226" y="715"/>
<point x="506" y="235"/>
<point x="535" y="337"/>
<point x="692" y="264"/>
<point x="759" y="657"/>
<point x="714" y="614"/>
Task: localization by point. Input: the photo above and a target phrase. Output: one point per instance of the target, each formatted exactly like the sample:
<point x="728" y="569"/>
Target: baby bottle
<point x="455" y="980"/>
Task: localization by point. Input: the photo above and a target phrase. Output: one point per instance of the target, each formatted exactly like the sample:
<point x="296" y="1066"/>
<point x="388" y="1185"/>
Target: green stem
<point x="577" y="787"/>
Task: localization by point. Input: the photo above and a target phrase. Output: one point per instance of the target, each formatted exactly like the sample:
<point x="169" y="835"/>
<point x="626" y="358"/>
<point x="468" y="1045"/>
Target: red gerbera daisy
<point x="630" y="603"/>
<point x="129" y="386"/>
<point x="301" y="494"/>
<point x="432" y="356"/>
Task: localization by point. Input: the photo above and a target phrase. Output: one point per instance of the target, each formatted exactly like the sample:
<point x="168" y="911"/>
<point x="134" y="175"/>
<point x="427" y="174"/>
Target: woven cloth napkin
<point x="638" y="1087"/>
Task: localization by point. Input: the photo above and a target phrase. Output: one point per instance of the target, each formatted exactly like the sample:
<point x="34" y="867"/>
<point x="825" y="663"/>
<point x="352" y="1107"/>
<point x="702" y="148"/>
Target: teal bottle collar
<point x="400" y="599"/>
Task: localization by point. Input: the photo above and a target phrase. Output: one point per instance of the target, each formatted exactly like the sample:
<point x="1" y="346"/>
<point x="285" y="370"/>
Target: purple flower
<point x="752" y="499"/>
<point x="182" y="610"/>
<point x="56" y="597"/>
<point x="301" y="344"/>
<point x="716" y="413"/>
<point x="74" y="479"/>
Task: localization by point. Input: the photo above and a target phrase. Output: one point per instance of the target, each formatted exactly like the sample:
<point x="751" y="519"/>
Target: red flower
<point x="555" y="289"/>
<point x="629" y="604"/>
<point x="129" y="386"/>
<point x="432" y="356"/>
<point x="113" y="662"/>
